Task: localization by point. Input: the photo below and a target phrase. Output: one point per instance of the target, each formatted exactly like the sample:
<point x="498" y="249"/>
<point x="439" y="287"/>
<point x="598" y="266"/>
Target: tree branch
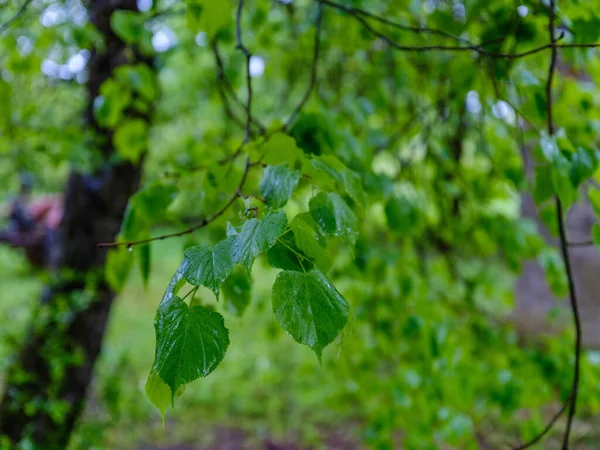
<point x="358" y="16"/>
<point x="15" y="16"/>
<point x="417" y="30"/>
<point x="563" y="239"/>
<point x="228" y="88"/>
<point x="547" y="428"/>
<point x="580" y="243"/>
<point x="238" y="192"/>
<point x="240" y="45"/>
<point x="201" y="224"/>
<point x="313" y="70"/>
<point x="571" y="401"/>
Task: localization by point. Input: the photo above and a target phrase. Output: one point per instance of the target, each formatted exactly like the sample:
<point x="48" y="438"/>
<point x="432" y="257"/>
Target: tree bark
<point x="47" y="381"/>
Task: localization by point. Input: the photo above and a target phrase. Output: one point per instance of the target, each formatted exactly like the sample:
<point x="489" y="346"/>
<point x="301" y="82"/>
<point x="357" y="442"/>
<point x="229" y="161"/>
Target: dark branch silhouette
<point x="15" y="16"/>
<point x="546" y="429"/>
<point x="225" y="87"/>
<point x="580" y="243"/>
<point x="359" y="17"/>
<point x="391" y="23"/>
<point x="240" y="46"/>
<point x="571" y="401"/>
<point x="313" y="70"/>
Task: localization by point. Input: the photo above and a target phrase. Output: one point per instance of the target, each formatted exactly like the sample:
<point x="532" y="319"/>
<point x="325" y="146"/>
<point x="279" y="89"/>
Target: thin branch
<point x="221" y="89"/>
<point x="391" y="23"/>
<point x="228" y="88"/>
<point x="201" y="224"/>
<point x="547" y="428"/>
<point x="15" y="16"/>
<point x="580" y="243"/>
<point x="571" y="402"/>
<point x="240" y="45"/>
<point x="398" y="134"/>
<point x="576" y="319"/>
<point x="313" y="70"/>
<point x="563" y="239"/>
<point x="450" y="48"/>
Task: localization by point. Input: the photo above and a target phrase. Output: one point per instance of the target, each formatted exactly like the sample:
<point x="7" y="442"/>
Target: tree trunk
<point x="47" y="382"/>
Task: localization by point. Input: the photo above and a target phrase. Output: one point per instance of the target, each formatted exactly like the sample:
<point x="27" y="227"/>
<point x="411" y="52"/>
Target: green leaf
<point x="309" y="308"/>
<point x="177" y="281"/>
<point x="586" y="31"/>
<point x="594" y="196"/>
<point x="145" y="257"/>
<point x="402" y="215"/>
<point x="109" y="106"/>
<point x="561" y="179"/>
<point x="308" y="240"/>
<point x="257" y="236"/>
<point x="145" y="208"/>
<point x="129" y="26"/>
<point x="345" y="179"/>
<point x="285" y="255"/>
<point x="237" y="292"/>
<point x="583" y="165"/>
<point x="596" y="235"/>
<point x="151" y="200"/>
<point x="543" y="188"/>
<point x="209" y="267"/>
<point x="131" y="139"/>
<point x="334" y="216"/>
<point x="554" y="268"/>
<point x="208" y="16"/>
<point x="279" y="148"/>
<point x="139" y="78"/>
<point x="158" y="392"/>
<point x="190" y="342"/>
<point x="118" y="265"/>
<point x="278" y="184"/>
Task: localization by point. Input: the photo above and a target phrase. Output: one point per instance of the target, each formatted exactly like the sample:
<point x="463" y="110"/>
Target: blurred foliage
<point x="399" y="181"/>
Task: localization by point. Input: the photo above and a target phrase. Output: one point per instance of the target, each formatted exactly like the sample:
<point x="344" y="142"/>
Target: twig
<point x="391" y="23"/>
<point x="563" y="241"/>
<point x="240" y="45"/>
<point x="398" y="134"/>
<point x="15" y="16"/>
<point x="228" y="88"/>
<point x="201" y="224"/>
<point x="571" y="401"/>
<point x="576" y="320"/>
<point x="313" y="70"/>
<point x="547" y="428"/>
<point x="449" y="48"/>
<point x="580" y="243"/>
<point x="226" y="105"/>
